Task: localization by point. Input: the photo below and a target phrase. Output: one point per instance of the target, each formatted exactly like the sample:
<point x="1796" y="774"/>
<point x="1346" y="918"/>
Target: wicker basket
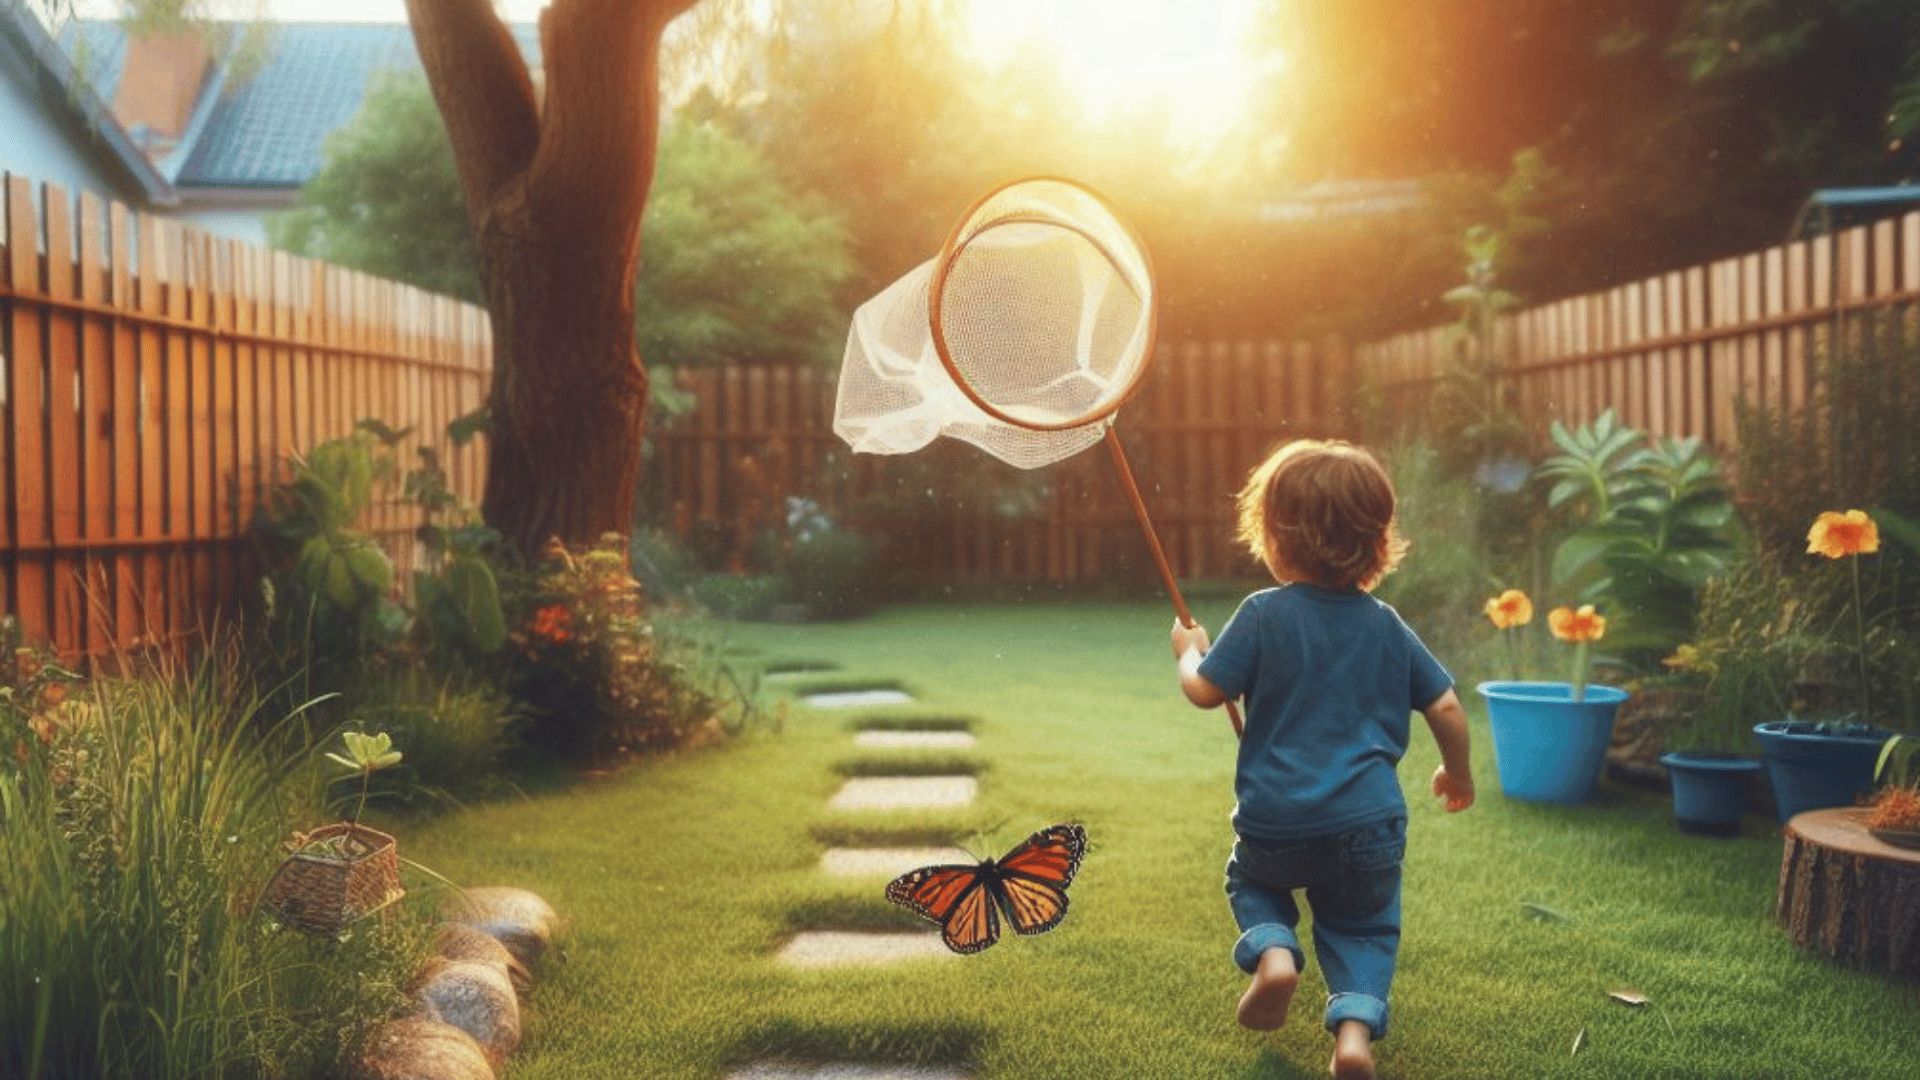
<point x="321" y="891"/>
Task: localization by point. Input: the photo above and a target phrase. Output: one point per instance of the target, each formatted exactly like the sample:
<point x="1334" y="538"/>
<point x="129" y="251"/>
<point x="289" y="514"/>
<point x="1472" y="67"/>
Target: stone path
<point x="854" y="699"/>
<point x="925" y="740"/>
<point x="903" y="792"/>
<point x="887" y="862"/>
<point x="861" y="795"/>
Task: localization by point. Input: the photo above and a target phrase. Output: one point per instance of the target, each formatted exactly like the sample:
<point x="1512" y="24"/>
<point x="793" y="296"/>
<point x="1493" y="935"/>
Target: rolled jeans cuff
<point x="1365" y="1008"/>
<point x="1258" y="939"/>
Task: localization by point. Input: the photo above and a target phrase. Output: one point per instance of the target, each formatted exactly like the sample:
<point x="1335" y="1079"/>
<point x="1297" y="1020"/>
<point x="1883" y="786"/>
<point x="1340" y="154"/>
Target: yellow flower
<point x="1580" y="626"/>
<point x="1509" y="609"/>
<point x="1837" y="535"/>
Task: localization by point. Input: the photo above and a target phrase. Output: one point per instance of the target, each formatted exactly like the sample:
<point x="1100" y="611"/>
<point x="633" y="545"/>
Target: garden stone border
<point x="465" y="1021"/>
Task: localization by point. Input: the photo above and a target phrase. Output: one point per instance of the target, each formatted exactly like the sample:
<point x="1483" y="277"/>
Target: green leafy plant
<point x="366" y="755"/>
<point x="1655" y="523"/>
<point x="139" y="820"/>
<point x="598" y="679"/>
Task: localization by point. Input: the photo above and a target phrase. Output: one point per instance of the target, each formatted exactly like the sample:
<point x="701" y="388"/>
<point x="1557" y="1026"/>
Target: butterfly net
<point x="1022" y="337"/>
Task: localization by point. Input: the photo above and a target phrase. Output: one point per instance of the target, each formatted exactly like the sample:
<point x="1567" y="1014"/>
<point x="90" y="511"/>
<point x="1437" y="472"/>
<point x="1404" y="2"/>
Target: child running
<point x="1330" y="678"/>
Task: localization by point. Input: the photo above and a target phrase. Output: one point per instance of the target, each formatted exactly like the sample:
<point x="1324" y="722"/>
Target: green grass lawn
<point x="682" y="876"/>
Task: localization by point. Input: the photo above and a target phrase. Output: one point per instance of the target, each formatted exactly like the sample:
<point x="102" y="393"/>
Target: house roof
<point x="69" y="95"/>
<point x="269" y="130"/>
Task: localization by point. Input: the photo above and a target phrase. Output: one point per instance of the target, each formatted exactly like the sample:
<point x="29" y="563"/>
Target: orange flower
<point x="1509" y="609"/>
<point x="1580" y="626"/>
<point x="1837" y="535"/>
<point x="551" y="622"/>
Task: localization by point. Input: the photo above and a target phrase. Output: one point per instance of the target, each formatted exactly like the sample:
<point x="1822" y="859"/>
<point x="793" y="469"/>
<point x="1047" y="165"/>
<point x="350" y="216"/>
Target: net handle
<point x="956" y="242"/>
<point x="1159" y="556"/>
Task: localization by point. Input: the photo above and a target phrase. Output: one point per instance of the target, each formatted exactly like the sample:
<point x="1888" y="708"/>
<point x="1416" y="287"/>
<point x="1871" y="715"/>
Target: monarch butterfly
<point x="1029" y="883"/>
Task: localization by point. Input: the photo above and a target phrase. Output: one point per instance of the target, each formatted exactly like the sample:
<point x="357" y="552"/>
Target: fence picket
<point x="156" y="379"/>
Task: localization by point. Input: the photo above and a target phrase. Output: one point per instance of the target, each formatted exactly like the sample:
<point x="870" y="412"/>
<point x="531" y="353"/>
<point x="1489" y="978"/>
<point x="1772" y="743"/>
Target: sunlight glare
<point x="1185" y="54"/>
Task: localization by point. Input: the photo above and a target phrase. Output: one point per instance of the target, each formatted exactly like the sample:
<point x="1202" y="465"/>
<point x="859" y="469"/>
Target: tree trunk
<point x="1846" y="894"/>
<point x="555" y="189"/>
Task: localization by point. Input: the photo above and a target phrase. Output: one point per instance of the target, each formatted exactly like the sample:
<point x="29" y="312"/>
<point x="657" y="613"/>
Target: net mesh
<point x="1042" y="302"/>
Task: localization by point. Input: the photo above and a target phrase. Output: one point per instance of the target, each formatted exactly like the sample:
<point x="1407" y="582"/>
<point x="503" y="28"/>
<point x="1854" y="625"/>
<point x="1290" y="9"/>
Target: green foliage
<point x="388" y="200"/>
<point x="1857" y="449"/>
<point x="332" y="613"/>
<point x="597" y="679"/>
<point x="1439" y="587"/>
<point x="457" y="731"/>
<point x="1899" y="762"/>
<point x="1655" y="523"/>
<point x="735" y="266"/>
<point x="328" y="609"/>
<point x="139" y="820"/>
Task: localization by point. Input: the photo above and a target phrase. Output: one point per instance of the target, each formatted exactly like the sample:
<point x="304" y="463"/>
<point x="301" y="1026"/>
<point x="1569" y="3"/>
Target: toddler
<point x="1330" y="677"/>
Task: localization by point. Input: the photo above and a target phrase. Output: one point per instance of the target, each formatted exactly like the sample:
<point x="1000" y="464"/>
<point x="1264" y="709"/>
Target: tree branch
<point x="484" y="92"/>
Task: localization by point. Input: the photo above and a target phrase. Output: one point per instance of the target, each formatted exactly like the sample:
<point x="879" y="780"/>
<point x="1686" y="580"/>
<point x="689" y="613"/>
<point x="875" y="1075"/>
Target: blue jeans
<point x="1352" y="880"/>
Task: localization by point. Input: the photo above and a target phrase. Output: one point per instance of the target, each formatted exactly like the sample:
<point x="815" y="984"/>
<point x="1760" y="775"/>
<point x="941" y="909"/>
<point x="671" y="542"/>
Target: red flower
<point x="551" y="622"/>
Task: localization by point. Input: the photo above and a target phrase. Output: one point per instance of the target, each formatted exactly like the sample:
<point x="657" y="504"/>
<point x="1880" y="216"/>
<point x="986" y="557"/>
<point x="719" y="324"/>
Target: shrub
<point x="139" y="819"/>
<point x="598" y="681"/>
<point x="456" y="734"/>
<point x="1854" y="447"/>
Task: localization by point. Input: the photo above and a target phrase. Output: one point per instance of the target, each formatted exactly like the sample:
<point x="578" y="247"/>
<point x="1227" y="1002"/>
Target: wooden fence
<point x="1676" y="354"/>
<point x="1203" y="416"/>
<point x="154" y="378"/>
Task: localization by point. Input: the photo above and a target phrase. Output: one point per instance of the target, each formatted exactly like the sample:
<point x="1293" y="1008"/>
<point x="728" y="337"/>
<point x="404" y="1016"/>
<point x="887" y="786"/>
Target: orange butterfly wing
<point x="1033" y="878"/>
<point x="1029" y="883"/>
<point x="957" y="898"/>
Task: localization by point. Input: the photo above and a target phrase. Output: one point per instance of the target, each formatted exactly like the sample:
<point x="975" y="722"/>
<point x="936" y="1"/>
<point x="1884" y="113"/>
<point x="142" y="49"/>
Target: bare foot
<point x="1264" y="1006"/>
<point x="1352" y="1052"/>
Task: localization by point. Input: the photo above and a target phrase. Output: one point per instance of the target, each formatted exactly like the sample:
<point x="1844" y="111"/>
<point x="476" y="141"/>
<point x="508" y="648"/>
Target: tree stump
<point x="1849" y="895"/>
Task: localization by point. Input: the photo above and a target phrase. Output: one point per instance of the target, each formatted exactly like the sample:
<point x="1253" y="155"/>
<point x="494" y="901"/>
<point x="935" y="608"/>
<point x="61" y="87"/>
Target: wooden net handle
<point x="1159" y="555"/>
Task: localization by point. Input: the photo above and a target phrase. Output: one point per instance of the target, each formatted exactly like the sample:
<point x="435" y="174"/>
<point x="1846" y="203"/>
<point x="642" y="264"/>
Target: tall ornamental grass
<point x="139" y="820"/>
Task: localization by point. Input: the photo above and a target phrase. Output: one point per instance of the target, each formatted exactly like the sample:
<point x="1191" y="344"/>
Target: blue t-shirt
<point x="1331" y="680"/>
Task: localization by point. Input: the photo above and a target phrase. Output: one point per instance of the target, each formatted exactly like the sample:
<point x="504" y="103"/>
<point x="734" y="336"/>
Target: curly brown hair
<point x="1322" y="510"/>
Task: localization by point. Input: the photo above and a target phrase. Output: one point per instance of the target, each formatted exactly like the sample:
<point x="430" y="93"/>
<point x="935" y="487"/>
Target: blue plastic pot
<point x="1547" y="746"/>
<point x="1811" y="768"/>
<point x="1710" y="790"/>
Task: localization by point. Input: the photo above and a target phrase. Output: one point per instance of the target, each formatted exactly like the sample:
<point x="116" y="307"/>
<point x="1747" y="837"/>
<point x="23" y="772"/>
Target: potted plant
<point x="1550" y="738"/>
<point x="1894" y="815"/>
<point x="1813" y="764"/>
<point x="343" y="872"/>
<point x="1709" y="765"/>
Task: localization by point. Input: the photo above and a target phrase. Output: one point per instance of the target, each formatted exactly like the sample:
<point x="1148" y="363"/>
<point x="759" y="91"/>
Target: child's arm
<point x="1453" y="780"/>
<point x="1189" y="645"/>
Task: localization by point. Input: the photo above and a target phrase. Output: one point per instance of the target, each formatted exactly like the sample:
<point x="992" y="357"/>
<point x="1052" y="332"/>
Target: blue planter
<point x="1811" y="768"/>
<point x="1709" y="790"/>
<point x="1546" y="746"/>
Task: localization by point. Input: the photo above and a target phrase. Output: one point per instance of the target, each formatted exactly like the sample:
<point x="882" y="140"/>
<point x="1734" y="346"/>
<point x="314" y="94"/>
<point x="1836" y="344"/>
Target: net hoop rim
<point x="936" y="287"/>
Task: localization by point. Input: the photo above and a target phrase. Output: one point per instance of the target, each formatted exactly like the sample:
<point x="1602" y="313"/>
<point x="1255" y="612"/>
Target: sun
<point x="1188" y="55"/>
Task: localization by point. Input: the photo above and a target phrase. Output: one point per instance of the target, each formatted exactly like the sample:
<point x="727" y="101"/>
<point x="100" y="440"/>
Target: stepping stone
<point x="903" y="792"/>
<point x="814" y="949"/>
<point x="944" y="740"/>
<point x="854" y="699"/>
<point x="845" y="1070"/>
<point x="888" y="862"/>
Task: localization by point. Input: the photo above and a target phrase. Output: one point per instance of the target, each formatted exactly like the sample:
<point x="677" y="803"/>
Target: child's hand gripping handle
<point x="1189" y="645"/>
